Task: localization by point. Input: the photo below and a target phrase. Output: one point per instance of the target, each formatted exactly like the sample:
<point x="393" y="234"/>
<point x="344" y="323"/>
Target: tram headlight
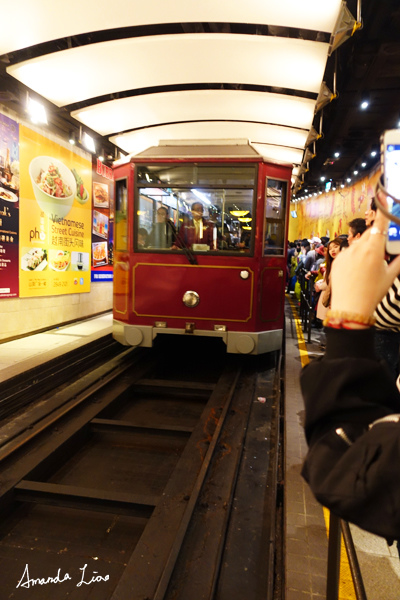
<point x="190" y="299"/>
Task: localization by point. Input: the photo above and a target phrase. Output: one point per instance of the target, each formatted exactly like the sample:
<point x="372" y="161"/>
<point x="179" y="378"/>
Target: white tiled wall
<point x="26" y="315"/>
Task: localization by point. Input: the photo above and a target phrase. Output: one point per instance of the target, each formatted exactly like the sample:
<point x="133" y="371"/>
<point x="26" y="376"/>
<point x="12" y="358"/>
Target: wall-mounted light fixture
<point x="36" y="111"/>
<point x="72" y="138"/>
<point x="88" y="142"/>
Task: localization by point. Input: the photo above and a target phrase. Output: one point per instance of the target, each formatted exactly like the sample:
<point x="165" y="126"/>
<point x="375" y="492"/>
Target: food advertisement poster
<point x="330" y="212"/>
<point x="102" y="223"/>
<point x="9" y="206"/>
<point x="55" y="219"/>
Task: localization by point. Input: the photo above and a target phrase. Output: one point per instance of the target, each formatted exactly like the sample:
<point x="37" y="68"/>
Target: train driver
<point x="197" y="230"/>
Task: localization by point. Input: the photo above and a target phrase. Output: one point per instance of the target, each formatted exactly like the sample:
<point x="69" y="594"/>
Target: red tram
<point x="200" y="246"/>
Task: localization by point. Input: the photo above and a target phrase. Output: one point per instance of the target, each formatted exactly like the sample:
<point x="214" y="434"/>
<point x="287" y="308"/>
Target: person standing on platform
<point x="356" y="229"/>
<point x="370" y="213"/>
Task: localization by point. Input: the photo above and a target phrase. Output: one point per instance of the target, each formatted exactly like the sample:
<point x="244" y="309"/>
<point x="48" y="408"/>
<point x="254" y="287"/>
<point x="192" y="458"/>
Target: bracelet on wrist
<point x="346" y="320"/>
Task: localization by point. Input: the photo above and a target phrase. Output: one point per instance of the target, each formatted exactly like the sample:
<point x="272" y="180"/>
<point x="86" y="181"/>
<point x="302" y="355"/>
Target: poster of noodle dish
<point x="55" y="216"/>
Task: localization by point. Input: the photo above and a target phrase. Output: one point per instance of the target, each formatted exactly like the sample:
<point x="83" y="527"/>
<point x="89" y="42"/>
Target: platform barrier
<point x="337" y="528"/>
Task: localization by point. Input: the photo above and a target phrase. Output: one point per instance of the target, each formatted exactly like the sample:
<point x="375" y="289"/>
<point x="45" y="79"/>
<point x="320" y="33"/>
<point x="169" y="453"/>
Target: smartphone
<point x="390" y="157"/>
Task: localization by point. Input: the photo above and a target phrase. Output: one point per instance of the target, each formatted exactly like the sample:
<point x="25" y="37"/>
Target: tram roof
<point x="199" y="149"/>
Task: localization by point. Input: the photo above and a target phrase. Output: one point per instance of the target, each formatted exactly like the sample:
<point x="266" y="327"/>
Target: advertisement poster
<point x="332" y="211"/>
<point x="103" y="224"/>
<point x="55" y="219"/>
<point x="9" y="207"/>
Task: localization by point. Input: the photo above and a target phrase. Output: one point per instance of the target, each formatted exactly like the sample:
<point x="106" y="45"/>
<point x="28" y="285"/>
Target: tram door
<point x="273" y="262"/>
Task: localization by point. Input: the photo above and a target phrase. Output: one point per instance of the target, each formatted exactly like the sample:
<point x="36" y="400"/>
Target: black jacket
<point x="352" y="468"/>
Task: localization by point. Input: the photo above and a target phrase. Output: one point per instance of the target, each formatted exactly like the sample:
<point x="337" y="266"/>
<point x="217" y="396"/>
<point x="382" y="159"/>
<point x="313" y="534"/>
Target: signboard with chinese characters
<point x="55" y="221"/>
<point x="103" y="223"/>
<point x="9" y="206"/>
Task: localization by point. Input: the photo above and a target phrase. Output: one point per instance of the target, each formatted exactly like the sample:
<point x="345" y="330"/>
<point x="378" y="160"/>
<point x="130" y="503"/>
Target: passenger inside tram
<point x="163" y="233"/>
<point x="143" y="237"/>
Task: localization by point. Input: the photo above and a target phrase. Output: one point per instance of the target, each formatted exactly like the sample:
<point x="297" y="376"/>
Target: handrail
<point x="337" y="528"/>
<point x="353" y="562"/>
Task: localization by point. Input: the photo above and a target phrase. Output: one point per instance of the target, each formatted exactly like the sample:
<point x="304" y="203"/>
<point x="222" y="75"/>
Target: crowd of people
<point x="352" y="402"/>
<point x="312" y="259"/>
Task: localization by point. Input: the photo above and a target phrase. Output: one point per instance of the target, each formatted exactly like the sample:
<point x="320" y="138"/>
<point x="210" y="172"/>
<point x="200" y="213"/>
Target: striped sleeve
<point x="387" y="312"/>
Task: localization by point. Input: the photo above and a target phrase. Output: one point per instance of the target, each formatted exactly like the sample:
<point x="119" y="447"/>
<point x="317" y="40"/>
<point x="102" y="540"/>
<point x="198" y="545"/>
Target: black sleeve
<point x="351" y="469"/>
<point x="348" y="385"/>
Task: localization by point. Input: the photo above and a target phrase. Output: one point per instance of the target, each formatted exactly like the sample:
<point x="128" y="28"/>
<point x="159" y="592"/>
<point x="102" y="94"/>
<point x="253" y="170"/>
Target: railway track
<point x="149" y="478"/>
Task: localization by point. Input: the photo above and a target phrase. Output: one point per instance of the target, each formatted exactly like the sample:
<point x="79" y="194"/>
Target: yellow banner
<point x="330" y="212"/>
<point x="55" y="217"/>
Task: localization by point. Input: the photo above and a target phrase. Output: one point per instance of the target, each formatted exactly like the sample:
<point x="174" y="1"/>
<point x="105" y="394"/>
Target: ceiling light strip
<point x="33" y="29"/>
<point x="137" y="141"/>
<point x="186" y="59"/>
<point x="235" y="105"/>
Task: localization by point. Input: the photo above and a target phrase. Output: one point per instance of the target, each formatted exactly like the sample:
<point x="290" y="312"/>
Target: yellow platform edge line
<point x="346" y="585"/>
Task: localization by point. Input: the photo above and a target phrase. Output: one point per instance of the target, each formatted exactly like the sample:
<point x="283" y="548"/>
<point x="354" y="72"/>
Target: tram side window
<point x="121" y="215"/>
<point x="275" y="211"/>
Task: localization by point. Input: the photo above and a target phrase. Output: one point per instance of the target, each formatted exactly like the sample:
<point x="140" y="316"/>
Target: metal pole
<point x="310" y="310"/>
<point x="359" y="11"/>
<point x="332" y="580"/>
<point x="353" y="562"/>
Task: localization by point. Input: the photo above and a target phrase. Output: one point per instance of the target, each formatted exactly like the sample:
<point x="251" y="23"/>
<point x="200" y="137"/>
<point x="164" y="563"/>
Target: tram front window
<point x="204" y="219"/>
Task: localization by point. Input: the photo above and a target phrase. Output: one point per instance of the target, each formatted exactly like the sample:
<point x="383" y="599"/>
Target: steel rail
<point x="152" y="568"/>
<point x="35" y="422"/>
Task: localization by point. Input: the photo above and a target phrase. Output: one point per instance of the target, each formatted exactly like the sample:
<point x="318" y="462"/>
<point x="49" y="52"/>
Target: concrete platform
<point x="30" y="351"/>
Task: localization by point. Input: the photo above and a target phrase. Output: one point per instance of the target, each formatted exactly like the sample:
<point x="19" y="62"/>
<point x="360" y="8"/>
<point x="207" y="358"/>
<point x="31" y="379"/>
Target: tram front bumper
<point x="237" y="342"/>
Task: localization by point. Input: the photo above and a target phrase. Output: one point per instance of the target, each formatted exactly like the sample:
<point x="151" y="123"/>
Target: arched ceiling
<point x="133" y="73"/>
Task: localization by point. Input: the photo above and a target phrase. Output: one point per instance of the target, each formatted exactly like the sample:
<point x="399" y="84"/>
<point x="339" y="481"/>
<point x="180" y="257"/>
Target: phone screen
<point x="392" y="181"/>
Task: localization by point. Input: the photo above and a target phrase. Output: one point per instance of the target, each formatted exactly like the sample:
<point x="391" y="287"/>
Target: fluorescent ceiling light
<point x="32" y="29"/>
<point x="195" y="105"/>
<point x="190" y="58"/>
<point x="134" y="142"/>
<point x="201" y="196"/>
<point x="278" y="154"/>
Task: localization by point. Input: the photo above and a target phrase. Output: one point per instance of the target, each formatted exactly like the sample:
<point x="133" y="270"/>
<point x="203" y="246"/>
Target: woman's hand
<point x="320" y="285"/>
<point x="360" y="275"/>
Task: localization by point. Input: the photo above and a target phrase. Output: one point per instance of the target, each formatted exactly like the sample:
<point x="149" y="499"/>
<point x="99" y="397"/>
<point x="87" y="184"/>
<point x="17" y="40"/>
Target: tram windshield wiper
<point x="187" y="251"/>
